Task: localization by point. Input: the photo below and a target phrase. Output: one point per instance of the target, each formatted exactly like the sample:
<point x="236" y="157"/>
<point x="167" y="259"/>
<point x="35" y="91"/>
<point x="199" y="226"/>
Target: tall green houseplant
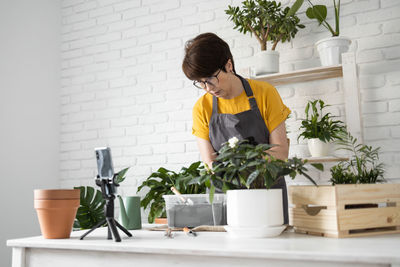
<point x="266" y="20"/>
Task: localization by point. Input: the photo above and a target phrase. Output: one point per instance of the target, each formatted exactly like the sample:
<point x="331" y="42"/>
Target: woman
<point x="232" y="106"/>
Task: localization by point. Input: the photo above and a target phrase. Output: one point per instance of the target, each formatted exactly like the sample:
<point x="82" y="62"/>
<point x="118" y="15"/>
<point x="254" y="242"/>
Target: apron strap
<point x="249" y="93"/>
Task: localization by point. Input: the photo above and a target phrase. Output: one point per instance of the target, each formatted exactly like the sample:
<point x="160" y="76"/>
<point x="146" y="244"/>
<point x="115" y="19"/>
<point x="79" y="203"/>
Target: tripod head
<point x="108" y="186"/>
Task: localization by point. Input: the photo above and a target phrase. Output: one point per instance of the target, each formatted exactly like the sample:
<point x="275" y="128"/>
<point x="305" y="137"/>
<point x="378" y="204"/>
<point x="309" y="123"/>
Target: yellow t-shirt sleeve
<point x="200" y="126"/>
<point x="275" y="112"/>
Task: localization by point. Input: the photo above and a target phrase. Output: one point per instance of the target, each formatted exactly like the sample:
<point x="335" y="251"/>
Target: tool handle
<point x="176" y="192"/>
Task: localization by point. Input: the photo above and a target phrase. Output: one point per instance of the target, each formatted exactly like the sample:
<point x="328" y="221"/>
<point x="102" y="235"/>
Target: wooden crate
<point x="345" y="210"/>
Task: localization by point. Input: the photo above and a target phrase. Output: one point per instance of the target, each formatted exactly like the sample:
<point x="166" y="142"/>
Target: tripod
<point x="107" y="189"/>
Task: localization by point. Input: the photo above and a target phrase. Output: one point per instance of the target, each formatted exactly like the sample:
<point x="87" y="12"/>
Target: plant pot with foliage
<point x="248" y="174"/>
<point x="159" y="183"/>
<point x="320" y="128"/>
<point x="356" y="204"/>
<point x="330" y="49"/>
<point x="268" y="22"/>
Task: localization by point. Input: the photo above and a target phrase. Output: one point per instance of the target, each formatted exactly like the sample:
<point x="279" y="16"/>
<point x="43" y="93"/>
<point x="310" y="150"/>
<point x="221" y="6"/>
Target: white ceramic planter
<point x="254" y="207"/>
<point x="266" y="62"/>
<point x="254" y="213"/>
<point x="318" y="148"/>
<point x="330" y="50"/>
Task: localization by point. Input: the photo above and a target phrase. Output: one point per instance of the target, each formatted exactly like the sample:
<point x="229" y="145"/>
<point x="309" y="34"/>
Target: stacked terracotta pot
<point x="56" y="210"/>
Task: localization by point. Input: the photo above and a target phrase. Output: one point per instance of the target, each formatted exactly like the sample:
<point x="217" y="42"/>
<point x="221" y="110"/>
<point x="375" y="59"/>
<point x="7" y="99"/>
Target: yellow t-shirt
<point x="268" y="101"/>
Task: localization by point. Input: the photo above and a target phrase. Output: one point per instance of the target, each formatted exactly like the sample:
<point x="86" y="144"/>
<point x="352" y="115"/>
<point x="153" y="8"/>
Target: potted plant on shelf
<point x="267" y="21"/>
<point x="247" y="173"/>
<point x="356" y="204"/>
<point x="320" y="129"/>
<point x="159" y="183"/>
<point x="330" y="49"/>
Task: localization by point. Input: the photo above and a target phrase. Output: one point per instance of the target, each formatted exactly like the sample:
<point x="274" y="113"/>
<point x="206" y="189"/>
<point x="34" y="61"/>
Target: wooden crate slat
<point x="369" y="218"/>
<point x="367" y="193"/>
<point x="312" y="195"/>
<point x="325" y="220"/>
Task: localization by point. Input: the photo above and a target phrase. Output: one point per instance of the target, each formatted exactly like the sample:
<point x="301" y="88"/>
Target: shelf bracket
<point x="352" y="96"/>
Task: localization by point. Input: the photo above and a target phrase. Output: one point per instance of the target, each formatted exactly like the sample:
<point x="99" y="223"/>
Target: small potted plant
<point x="319" y="128"/>
<point x="159" y="183"/>
<point x="247" y="173"/>
<point x="267" y="21"/>
<point x="330" y="49"/>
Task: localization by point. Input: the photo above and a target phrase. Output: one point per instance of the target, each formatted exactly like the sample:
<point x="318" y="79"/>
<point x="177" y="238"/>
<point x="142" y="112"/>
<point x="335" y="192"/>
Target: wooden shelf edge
<point x="326" y="159"/>
<point x="299" y="76"/>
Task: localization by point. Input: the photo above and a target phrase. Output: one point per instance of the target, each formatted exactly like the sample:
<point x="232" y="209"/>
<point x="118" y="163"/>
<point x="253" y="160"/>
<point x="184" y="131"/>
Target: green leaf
<point x="295" y="7"/>
<point x="252" y="177"/>
<point x="91" y="209"/>
<point x="318" y="166"/>
<point x="121" y="176"/>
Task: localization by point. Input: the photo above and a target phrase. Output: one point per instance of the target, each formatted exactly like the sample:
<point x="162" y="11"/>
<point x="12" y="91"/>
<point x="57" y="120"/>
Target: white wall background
<point x="122" y="84"/>
<point x="29" y="112"/>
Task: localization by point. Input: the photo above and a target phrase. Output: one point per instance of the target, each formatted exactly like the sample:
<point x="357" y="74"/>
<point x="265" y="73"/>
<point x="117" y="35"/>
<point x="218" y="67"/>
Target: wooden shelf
<point x="326" y="159"/>
<point x="306" y="75"/>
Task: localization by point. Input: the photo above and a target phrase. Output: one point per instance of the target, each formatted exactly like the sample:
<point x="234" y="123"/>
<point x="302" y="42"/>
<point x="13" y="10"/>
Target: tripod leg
<point x="122" y="228"/>
<point x="113" y="228"/>
<point x="93" y="228"/>
<point x="108" y="233"/>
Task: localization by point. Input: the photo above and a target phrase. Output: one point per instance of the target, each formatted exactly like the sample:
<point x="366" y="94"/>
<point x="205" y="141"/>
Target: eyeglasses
<point x="211" y="81"/>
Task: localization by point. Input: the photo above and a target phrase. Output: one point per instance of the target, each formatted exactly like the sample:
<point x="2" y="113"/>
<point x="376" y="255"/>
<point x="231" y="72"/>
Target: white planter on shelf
<point x="330" y="50"/>
<point x="255" y="213"/>
<point x="318" y="148"/>
<point x="267" y="62"/>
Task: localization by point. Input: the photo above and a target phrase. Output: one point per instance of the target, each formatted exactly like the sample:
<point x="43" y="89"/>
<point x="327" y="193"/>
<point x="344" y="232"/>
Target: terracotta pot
<point x="160" y="221"/>
<point x="56" y="210"/>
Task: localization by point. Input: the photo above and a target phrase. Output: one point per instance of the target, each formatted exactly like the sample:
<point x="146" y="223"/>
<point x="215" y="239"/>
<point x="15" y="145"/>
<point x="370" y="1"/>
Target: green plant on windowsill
<point x="91" y="209"/>
<point x="160" y="182"/>
<point x="266" y="20"/>
<point x="363" y="166"/>
<point x="317" y="125"/>
<point x="245" y="165"/>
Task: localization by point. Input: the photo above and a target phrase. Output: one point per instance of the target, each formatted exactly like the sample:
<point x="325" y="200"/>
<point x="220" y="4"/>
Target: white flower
<point x="233" y="141"/>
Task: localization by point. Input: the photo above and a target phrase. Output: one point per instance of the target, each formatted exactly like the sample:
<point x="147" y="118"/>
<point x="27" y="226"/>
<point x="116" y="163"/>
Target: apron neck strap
<point x="249" y="93"/>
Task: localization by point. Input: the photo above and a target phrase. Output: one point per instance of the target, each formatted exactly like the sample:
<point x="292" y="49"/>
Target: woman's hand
<point x="207" y="152"/>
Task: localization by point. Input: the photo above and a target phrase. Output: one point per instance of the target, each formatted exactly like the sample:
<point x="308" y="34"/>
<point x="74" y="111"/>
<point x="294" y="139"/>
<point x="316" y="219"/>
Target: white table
<point x="150" y="248"/>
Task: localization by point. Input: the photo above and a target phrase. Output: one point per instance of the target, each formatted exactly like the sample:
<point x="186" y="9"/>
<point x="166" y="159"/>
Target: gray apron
<point x="244" y="125"/>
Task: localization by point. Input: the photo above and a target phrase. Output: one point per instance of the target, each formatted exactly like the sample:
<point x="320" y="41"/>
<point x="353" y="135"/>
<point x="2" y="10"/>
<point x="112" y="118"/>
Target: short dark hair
<point x="204" y="55"/>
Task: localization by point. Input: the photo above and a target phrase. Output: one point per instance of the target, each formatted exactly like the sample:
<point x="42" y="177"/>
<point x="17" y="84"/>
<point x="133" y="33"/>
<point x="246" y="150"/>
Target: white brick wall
<point x="122" y="84"/>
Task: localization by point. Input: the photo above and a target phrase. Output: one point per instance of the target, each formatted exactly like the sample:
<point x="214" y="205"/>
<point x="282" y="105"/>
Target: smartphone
<point x="104" y="163"/>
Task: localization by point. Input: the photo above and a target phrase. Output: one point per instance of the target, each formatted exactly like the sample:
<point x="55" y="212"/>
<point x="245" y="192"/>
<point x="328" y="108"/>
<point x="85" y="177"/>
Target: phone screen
<point x="104" y="163"/>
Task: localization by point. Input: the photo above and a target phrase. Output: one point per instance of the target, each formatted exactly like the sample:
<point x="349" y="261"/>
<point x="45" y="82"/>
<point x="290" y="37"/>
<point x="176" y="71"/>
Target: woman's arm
<point x="278" y="137"/>
<point x="207" y="152"/>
